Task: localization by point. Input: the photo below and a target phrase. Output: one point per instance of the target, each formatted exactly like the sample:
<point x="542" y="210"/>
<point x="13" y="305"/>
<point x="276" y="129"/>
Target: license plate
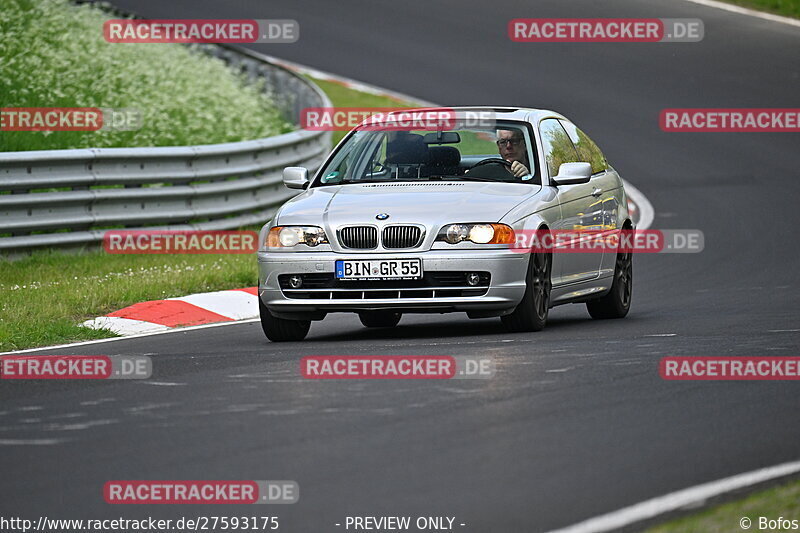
<point x="379" y="269"/>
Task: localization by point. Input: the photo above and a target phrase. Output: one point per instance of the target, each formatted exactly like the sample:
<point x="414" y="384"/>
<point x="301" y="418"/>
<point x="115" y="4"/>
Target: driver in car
<point x="511" y="145"/>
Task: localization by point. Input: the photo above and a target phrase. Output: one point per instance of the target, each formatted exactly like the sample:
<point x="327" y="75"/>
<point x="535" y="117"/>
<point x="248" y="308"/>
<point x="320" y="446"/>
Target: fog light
<point x="295" y="282"/>
<point x="473" y="278"/>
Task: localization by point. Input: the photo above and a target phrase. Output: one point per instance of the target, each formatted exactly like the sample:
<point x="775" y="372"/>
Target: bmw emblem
<point x="382" y="216"/>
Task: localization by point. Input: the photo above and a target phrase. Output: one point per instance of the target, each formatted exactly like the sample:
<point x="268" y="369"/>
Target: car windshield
<point x="501" y="153"/>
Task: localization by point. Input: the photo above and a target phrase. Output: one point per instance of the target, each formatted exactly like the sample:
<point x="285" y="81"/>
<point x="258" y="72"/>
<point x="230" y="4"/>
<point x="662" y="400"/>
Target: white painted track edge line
<point x="655" y="507"/>
<point x="746" y="11"/>
<point x="123" y="326"/>
<point x="646" y="211"/>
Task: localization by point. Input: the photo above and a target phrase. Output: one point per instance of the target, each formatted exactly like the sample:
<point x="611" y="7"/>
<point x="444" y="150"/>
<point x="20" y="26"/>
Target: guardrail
<point x="206" y="187"/>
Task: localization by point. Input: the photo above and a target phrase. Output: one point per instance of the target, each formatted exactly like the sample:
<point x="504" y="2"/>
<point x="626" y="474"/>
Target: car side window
<point x="587" y="150"/>
<point x="558" y="147"/>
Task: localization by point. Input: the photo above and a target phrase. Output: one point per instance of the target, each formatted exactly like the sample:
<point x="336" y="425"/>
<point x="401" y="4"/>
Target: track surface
<point x="577" y="421"/>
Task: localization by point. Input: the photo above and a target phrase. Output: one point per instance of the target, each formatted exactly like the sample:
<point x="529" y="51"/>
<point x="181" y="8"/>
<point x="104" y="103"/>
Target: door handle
<point x="597" y="191"/>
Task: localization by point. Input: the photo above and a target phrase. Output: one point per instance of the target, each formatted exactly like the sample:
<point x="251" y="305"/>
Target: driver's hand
<point x="518" y="169"/>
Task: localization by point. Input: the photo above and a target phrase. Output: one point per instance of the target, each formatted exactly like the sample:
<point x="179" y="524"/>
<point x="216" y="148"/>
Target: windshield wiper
<point x="392" y="180"/>
<point x="347" y="182"/>
<point x="473" y="178"/>
<point x="412" y="180"/>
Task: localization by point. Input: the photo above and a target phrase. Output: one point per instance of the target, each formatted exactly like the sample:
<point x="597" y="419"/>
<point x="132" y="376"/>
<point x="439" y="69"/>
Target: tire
<point x="380" y="319"/>
<point x="617" y="302"/>
<point x="279" y="329"/>
<point x="531" y="313"/>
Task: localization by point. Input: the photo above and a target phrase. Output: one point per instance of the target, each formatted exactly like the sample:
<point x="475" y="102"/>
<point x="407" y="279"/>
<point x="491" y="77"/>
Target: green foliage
<point x="588" y="151"/>
<point x="561" y="149"/>
<point x="787" y="8"/>
<point x="53" y="54"/>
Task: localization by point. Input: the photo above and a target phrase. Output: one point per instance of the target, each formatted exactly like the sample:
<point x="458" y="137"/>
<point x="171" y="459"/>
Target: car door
<point x="578" y="206"/>
<point x="605" y="185"/>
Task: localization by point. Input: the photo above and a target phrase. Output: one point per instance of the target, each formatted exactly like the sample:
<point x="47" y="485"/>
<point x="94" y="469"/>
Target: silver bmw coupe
<point x="421" y="217"/>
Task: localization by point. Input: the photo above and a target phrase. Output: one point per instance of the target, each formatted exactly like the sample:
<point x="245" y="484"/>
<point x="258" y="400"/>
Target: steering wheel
<point x="492" y="161"/>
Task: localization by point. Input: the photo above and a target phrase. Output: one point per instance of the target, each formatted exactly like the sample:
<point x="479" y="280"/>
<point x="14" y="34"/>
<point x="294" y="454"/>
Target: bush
<point x="53" y="54"/>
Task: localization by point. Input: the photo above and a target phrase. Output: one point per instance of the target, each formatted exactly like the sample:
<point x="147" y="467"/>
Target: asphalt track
<point x="577" y="421"/>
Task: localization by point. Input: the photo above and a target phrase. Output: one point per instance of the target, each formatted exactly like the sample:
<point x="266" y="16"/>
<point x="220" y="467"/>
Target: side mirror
<point x="295" y="177"/>
<point x="573" y="173"/>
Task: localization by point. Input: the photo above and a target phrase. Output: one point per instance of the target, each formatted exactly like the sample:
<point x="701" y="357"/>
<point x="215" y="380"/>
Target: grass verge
<point x="781" y="501"/>
<point x="44" y="297"/>
<point x="342" y="96"/>
<point x="787" y="8"/>
<point x="53" y="54"/>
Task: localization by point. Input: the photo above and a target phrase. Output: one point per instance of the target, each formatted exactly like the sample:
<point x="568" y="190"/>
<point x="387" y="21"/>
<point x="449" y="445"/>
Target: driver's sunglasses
<point x="509" y="142"/>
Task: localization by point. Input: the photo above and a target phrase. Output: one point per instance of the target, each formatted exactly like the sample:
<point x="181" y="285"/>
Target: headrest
<point x="444" y="156"/>
<point x="407" y="149"/>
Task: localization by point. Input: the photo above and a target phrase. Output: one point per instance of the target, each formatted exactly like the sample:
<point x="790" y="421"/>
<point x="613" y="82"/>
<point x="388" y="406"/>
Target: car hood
<point x="430" y="203"/>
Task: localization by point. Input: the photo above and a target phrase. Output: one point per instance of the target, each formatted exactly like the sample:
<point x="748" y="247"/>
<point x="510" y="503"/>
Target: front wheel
<point x="380" y="319"/>
<point x="279" y="329"/>
<point x="617" y="302"/>
<point x="531" y="313"/>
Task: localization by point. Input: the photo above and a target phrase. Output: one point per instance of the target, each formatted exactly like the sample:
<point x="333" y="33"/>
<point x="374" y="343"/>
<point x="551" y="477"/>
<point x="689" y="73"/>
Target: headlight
<point x="477" y="233"/>
<point x="288" y="236"/>
<point x="456" y="233"/>
<point x="481" y="233"/>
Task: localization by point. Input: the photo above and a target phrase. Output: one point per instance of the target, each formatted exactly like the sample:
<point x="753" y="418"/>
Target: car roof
<point x="501" y="112"/>
<point x="512" y="113"/>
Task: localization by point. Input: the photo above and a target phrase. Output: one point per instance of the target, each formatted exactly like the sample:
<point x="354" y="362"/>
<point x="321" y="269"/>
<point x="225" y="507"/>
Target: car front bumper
<point x="505" y="289"/>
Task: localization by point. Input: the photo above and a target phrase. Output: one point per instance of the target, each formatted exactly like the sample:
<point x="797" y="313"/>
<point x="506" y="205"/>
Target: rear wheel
<point x="531" y="313"/>
<point x="380" y="319"/>
<point x="617" y="302"/>
<point x="279" y="329"/>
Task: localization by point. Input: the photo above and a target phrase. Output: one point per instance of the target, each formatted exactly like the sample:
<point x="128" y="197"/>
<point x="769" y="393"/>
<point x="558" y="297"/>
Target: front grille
<point x="435" y="284"/>
<point x="359" y="237"/>
<point x="432" y="279"/>
<point x="401" y="236"/>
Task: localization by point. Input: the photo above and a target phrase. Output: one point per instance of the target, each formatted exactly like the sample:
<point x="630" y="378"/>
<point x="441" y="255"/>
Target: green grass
<point x="787" y="8"/>
<point x="52" y="54"/>
<point x="782" y="501"/>
<point x="341" y="96"/>
<point x="44" y="297"/>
